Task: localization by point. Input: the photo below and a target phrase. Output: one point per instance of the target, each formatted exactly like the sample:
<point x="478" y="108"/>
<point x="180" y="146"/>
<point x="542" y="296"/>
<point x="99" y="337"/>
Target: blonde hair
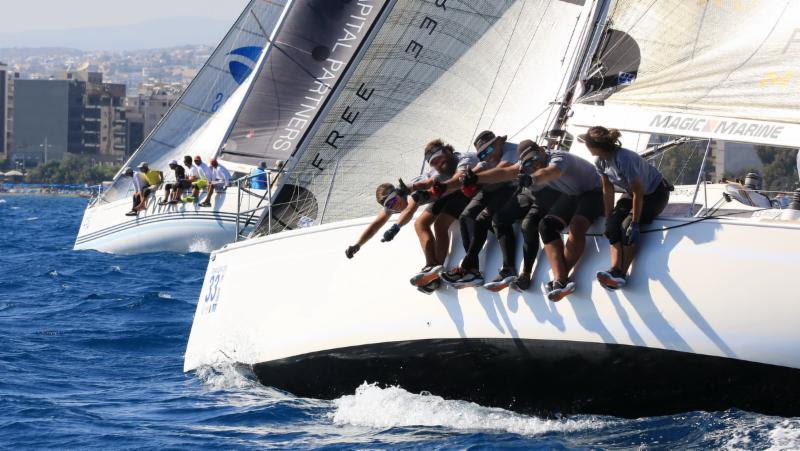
<point x="384" y="189"/>
<point x="605" y="138"/>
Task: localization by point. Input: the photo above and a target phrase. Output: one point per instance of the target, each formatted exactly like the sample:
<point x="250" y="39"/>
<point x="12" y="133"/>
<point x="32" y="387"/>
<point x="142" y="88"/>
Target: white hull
<point x="161" y="228"/>
<point x="719" y="288"/>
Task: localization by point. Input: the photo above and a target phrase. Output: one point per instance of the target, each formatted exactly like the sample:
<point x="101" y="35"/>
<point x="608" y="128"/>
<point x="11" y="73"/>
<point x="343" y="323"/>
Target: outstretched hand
<point x="351" y="251"/>
<point x="469" y="178"/>
<point x="390" y="233"/>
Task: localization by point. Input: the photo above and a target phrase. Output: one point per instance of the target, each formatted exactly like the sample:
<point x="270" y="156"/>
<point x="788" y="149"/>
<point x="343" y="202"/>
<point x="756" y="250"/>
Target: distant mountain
<point x="160" y="33"/>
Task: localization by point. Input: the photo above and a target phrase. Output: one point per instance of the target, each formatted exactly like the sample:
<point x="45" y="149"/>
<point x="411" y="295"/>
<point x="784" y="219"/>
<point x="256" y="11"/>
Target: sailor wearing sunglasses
<point x="476" y="219"/>
<point x="530" y="204"/>
<point x="392" y="199"/>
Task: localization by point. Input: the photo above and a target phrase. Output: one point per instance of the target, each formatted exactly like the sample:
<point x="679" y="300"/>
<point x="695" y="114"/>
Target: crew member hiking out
<point x="530" y="204"/>
<point x="580" y="202"/>
<point x="140" y="190"/>
<point x="196" y="178"/>
<point x="219" y="181"/>
<point x="172" y="190"/>
<point x="447" y="166"/>
<point x="476" y="219"/>
<point x="646" y="194"/>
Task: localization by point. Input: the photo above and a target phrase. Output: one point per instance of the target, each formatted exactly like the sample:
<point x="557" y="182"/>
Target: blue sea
<point x="91" y="356"/>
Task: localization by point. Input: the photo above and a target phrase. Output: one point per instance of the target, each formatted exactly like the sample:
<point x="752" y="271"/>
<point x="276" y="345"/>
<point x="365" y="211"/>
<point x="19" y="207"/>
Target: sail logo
<point x="728" y="128"/>
<point x="240" y="70"/>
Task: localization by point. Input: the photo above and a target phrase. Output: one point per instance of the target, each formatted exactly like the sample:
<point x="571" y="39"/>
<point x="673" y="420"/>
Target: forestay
<point x="198" y="122"/>
<point x="434" y="69"/>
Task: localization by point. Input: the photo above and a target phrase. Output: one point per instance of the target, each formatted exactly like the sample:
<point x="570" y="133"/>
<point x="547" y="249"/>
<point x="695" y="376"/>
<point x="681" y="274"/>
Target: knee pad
<point x="550" y="229"/>
<point x="615" y="228"/>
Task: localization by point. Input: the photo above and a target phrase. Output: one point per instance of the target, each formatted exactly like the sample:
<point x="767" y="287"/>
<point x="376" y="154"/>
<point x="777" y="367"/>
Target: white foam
<point x="201" y="245"/>
<point x="115" y="268"/>
<point x="163" y="295"/>
<point x="224" y="376"/>
<point x="377" y="407"/>
<point x="2" y="201"/>
<point x="785" y="435"/>
<point x="32" y="219"/>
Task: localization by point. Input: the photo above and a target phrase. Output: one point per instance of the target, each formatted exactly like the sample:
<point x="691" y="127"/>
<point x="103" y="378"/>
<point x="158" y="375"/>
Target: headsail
<point x="197" y="123"/>
<point x="308" y="55"/>
<point x="717" y="69"/>
<point x="434" y="69"/>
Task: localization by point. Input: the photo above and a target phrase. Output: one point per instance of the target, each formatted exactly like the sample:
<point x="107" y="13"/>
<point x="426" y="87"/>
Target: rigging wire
<point x="497" y="73"/>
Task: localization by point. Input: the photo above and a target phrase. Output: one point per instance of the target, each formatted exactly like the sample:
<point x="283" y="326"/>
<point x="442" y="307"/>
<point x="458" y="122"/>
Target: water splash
<point x="377" y="407"/>
<point x="201" y="245"/>
<point x="2" y="201"/>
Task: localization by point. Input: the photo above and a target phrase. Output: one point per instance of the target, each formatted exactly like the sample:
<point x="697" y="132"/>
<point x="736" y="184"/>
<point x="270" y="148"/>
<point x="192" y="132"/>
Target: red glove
<point x="470" y="190"/>
<point x="438" y="189"/>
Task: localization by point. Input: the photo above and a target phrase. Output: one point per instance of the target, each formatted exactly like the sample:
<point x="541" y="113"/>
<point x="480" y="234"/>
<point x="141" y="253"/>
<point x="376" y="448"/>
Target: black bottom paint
<point x="545" y="377"/>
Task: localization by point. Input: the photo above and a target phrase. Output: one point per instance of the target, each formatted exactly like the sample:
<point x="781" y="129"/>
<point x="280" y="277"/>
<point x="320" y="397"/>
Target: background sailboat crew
<point x="139" y="190"/>
<point x="446" y="168"/>
<point x="476" y="220"/>
<point x="580" y="203"/>
<point x="259" y="179"/>
<point x="219" y="180"/>
<point x="530" y="204"/>
<point x="174" y="189"/>
<point x="646" y="195"/>
<point x="196" y="177"/>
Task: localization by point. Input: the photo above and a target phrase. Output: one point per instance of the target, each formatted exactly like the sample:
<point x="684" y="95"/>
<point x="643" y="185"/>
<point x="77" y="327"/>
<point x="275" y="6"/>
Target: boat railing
<point x="252" y="203"/>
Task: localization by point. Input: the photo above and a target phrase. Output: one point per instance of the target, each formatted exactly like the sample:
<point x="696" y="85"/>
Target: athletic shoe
<point x="502" y="281"/>
<point x="453" y="275"/>
<point x="427" y="275"/>
<point x="132" y="213"/>
<point x="613" y="279"/>
<point x="469" y="279"/>
<point x="522" y="282"/>
<point x="431" y="287"/>
<point x="561" y="290"/>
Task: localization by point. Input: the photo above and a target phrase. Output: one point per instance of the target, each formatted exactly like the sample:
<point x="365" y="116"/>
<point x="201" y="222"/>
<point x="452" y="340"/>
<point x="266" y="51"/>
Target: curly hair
<point x="605" y="138"/>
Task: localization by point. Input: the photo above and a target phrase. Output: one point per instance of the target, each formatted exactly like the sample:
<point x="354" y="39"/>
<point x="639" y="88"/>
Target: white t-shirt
<point x="193" y="173"/>
<point x="205" y="171"/>
<point x="139" y="182"/>
<point x="221" y="174"/>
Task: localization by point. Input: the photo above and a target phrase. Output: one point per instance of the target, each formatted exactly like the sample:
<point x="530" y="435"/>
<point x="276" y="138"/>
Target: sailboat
<point x="196" y="125"/>
<point x="709" y="319"/>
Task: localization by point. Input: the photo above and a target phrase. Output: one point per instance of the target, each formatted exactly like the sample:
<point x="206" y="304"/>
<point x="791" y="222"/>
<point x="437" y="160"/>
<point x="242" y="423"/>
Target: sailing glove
<point x="632" y="233"/>
<point x="525" y="180"/>
<point x="351" y="251"/>
<point x="403" y="189"/>
<point x="422" y="197"/>
<point x="438" y="189"/>
<point x="390" y="234"/>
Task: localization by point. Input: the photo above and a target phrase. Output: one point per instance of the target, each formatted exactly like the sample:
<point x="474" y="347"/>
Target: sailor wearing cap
<point x="140" y="187"/>
<point x="486" y="200"/>
<point x="530" y="203"/>
<point x="177" y="186"/>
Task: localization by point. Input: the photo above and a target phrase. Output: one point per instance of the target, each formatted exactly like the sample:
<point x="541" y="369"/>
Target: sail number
<point x="213" y="290"/>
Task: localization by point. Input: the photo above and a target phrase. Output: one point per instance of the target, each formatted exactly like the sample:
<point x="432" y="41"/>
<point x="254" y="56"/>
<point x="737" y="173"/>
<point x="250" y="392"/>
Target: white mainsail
<point x="197" y="123"/>
<point x="434" y="69"/>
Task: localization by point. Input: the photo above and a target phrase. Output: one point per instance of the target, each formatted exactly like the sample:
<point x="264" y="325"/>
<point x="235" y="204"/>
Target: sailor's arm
<point x="408" y="214"/>
<point x="368" y="233"/>
<point x="638" y="198"/>
<point x="546" y="174"/>
<point x="608" y="196"/>
<point x="499" y="174"/>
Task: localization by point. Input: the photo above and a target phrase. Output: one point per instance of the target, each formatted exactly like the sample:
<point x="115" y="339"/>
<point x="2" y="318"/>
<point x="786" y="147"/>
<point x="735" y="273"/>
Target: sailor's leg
<point x="441" y="228"/>
<point x="576" y="241"/>
<point x="589" y="207"/>
<point x="468" y="219"/>
<point x="614" y="230"/>
<point x="422" y="225"/>
<point x="503" y="225"/>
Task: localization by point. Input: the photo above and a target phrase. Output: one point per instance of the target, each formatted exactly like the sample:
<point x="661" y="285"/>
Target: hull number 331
<point x="213" y="290"/>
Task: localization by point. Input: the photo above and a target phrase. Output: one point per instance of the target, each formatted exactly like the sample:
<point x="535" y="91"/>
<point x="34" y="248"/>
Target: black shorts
<point x="452" y="205"/>
<point x="652" y="206"/>
<point x="588" y="204"/>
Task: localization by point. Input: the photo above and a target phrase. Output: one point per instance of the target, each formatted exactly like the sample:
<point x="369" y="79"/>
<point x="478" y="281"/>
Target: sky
<point x="31" y="15"/>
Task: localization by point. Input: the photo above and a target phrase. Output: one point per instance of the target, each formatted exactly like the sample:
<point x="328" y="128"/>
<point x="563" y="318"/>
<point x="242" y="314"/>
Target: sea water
<point x="91" y="357"/>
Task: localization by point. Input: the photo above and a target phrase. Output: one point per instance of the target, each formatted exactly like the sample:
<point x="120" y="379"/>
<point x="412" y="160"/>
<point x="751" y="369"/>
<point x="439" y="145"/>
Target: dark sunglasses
<point x="486" y="152"/>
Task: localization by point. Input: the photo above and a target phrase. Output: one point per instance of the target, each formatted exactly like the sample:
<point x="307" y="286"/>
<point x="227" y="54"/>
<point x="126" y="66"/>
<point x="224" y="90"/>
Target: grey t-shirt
<point x="577" y="175"/>
<point x="511" y="156"/>
<point x="625" y="166"/>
